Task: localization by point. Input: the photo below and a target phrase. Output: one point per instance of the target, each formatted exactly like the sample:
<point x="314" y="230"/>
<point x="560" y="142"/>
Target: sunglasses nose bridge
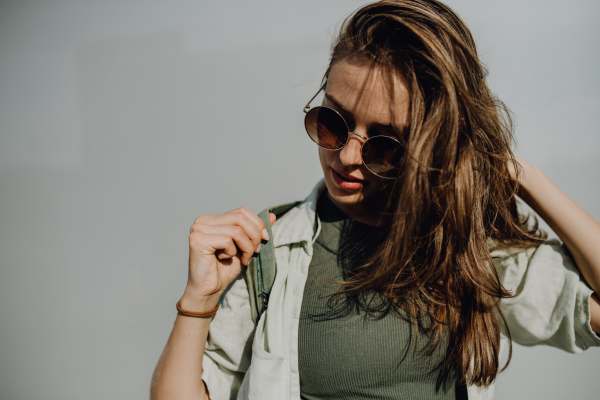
<point x="360" y="136"/>
<point x="351" y="151"/>
<point x="335" y="126"/>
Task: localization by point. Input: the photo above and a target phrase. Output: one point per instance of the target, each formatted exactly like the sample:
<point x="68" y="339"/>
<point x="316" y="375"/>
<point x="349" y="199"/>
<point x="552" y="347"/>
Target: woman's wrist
<point x="196" y="302"/>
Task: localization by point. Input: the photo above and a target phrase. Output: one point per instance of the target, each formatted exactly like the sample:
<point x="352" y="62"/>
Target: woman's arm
<point x="220" y="247"/>
<point x="178" y="370"/>
<point x="576" y="228"/>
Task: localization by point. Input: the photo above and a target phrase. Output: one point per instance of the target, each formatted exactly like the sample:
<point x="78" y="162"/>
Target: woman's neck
<point x="362" y="212"/>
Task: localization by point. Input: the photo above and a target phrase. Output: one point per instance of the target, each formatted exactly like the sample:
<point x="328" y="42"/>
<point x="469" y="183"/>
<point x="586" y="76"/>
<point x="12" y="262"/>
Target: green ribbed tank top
<point x="345" y="353"/>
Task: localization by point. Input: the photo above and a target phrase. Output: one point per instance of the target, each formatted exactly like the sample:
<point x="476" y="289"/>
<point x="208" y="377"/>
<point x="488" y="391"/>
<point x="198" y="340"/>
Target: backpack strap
<point x="260" y="273"/>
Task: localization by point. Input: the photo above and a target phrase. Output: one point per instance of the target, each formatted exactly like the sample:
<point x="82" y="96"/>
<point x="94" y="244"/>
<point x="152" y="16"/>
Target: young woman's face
<point x="360" y="92"/>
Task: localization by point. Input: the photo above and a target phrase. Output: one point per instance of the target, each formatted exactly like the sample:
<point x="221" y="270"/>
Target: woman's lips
<point x="346" y="183"/>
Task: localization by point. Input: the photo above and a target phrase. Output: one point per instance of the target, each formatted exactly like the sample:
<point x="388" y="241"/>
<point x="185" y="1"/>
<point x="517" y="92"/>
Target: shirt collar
<point x="301" y="223"/>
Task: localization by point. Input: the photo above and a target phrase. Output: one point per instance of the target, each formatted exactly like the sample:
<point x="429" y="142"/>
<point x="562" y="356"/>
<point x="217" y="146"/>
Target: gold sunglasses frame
<point x="307" y="108"/>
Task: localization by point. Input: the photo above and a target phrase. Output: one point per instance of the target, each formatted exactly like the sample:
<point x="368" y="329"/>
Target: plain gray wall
<point x="122" y="121"/>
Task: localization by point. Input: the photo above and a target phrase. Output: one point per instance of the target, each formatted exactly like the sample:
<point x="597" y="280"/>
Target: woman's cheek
<point x="325" y="158"/>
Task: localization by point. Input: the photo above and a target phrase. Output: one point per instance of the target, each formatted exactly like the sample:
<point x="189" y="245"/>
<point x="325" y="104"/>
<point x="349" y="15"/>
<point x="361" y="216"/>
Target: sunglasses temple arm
<point x="307" y="106"/>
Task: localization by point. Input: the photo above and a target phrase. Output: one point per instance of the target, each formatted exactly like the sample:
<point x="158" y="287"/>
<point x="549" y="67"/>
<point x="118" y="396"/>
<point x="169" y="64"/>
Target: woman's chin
<point x="344" y="196"/>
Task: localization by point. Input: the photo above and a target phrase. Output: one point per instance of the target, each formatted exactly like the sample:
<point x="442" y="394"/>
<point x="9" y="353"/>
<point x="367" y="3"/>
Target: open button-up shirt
<point x="247" y="361"/>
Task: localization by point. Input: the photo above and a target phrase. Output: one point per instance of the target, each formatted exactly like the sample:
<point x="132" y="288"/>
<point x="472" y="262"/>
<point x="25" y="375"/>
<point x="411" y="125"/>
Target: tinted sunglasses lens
<point x="326" y="128"/>
<point x="382" y="155"/>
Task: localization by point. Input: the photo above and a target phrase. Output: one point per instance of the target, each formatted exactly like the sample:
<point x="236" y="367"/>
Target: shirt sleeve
<point x="552" y="303"/>
<point x="229" y="344"/>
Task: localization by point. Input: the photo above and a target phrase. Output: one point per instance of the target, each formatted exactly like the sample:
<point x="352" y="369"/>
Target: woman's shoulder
<point x="296" y="220"/>
<point x="551" y="258"/>
<point x="500" y="250"/>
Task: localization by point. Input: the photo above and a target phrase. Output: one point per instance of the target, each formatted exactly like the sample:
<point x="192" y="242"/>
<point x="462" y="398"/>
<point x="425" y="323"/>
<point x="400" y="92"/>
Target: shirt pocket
<point x="268" y="375"/>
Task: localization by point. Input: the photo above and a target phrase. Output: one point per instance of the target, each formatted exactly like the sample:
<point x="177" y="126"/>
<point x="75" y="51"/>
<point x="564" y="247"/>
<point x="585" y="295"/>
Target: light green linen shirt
<point x="244" y="363"/>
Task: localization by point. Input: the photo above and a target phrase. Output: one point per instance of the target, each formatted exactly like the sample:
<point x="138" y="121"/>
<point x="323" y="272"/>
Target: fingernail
<point x="265" y="234"/>
<point x="258" y="249"/>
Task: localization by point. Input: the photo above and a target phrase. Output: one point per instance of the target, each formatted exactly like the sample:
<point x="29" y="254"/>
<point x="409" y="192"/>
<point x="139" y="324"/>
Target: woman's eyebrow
<point x="337" y="103"/>
<point x="386" y="127"/>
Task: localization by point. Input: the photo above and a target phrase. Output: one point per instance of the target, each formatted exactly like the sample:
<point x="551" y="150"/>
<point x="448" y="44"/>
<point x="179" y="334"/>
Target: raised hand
<point x="220" y="247"/>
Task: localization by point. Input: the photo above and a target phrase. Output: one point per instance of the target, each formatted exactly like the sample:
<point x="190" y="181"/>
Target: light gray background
<point x="122" y="121"/>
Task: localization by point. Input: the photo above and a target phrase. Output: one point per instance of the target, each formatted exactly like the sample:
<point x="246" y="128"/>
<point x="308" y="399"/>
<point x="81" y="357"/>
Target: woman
<point x="404" y="271"/>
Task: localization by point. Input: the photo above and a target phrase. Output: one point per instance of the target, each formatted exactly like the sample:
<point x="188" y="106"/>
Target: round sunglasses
<point x="327" y="128"/>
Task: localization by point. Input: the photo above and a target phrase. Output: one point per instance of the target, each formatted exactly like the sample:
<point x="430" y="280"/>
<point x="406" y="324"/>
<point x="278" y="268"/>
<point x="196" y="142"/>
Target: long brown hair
<point x="455" y="195"/>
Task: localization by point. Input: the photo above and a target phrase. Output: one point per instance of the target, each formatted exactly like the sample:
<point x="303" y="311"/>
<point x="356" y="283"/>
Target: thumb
<point x="272" y="217"/>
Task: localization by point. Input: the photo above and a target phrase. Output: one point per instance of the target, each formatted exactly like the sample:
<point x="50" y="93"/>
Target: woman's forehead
<point x="364" y="88"/>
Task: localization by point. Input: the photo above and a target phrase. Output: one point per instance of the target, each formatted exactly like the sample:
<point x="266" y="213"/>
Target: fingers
<point x="252" y="224"/>
<point x="259" y="222"/>
<point x="208" y="244"/>
<point x="244" y="228"/>
<point x="237" y="236"/>
<point x="272" y="218"/>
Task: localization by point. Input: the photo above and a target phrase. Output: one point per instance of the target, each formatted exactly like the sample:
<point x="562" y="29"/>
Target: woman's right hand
<point x="220" y="246"/>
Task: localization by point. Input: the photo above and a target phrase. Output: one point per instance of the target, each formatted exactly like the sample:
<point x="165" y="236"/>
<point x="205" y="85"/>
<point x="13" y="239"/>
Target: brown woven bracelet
<point x="196" y="314"/>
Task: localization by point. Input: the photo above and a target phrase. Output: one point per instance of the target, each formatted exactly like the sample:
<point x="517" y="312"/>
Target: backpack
<point x="260" y="273"/>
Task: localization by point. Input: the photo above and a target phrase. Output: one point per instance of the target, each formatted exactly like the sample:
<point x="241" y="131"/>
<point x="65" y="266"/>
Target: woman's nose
<point x="351" y="152"/>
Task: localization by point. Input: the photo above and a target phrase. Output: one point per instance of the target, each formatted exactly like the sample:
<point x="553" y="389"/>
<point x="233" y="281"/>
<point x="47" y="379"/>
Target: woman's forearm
<point x="220" y="247"/>
<point x="179" y="369"/>
<point x="576" y="228"/>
